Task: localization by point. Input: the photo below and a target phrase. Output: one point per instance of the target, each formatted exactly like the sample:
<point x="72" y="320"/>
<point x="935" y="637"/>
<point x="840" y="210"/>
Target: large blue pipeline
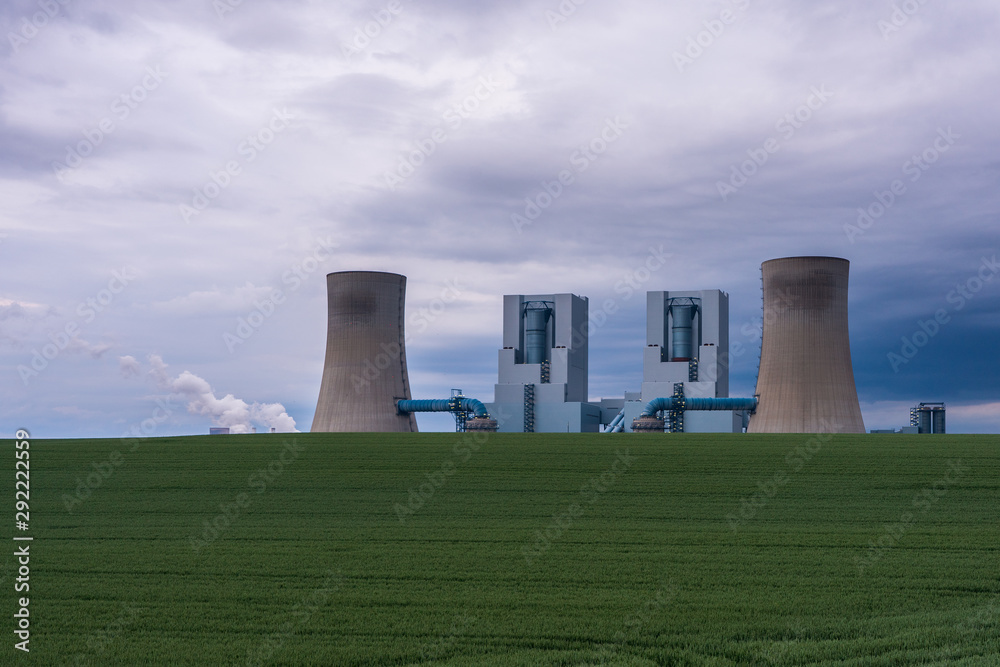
<point x="443" y="405"/>
<point x="658" y="404"/>
<point x="617" y="424"/>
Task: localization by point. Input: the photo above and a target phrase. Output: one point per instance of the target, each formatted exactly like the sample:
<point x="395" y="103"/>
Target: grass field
<point x="512" y="550"/>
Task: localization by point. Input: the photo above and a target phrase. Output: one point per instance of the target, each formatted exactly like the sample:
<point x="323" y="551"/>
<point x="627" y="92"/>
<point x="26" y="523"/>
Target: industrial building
<point x="928" y="417"/>
<point x="686" y="356"/>
<point x="805" y="382"/>
<point x="925" y="418"/>
<point x="542" y="366"/>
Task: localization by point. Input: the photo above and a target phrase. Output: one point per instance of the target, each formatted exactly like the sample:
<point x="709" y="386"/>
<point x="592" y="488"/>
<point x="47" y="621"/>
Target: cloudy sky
<point x="167" y="166"/>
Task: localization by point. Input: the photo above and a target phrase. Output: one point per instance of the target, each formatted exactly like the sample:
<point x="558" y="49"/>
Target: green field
<point x="518" y="549"/>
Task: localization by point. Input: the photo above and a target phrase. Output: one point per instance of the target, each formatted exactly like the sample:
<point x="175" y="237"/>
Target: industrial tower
<point x="806" y="381"/>
<point x="542" y="367"/>
<point x="364" y="374"/>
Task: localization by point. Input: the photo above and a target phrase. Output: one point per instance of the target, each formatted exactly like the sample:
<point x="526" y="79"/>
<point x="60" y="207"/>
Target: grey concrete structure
<point x="687" y="343"/>
<point x="365" y="369"/>
<point x="806" y="380"/>
<point x="542" y="367"/>
<point x="687" y="339"/>
<point x="928" y="417"/>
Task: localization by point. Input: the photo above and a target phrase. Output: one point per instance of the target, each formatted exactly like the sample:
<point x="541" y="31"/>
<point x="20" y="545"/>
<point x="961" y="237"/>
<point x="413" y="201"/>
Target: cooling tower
<point x="365" y="369"/>
<point x="806" y="382"/>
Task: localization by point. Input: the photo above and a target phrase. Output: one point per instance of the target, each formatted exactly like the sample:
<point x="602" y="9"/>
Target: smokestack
<point x="365" y="369"/>
<point x="806" y="382"/>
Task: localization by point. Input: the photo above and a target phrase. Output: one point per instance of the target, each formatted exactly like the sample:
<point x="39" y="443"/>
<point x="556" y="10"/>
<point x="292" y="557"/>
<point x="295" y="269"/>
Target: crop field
<point x="511" y="549"/>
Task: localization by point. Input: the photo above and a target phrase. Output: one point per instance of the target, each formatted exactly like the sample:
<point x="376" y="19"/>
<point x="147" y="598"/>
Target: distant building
<point x="542" y="368"/>
<point x="924" y="418"/>
<point x="928" y="417"/>
<point x="219" y="430"/>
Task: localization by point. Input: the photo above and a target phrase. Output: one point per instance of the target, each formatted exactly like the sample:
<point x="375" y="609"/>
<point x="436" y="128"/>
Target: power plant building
<point x="686" y="354"/>
<point x="543" y="365"/>
<point x="805" y="382"/>
<point x="928" y="417"/>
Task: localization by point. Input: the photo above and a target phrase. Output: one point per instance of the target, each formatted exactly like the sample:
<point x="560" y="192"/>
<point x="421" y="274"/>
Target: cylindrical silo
<point x="682" y="333"/>
<point x="536" y="334"/>
<point x="806" y="381"/>
<point x="925" y="421"/>
<point x="365" y="369"/>
<point x="938" y="420"/>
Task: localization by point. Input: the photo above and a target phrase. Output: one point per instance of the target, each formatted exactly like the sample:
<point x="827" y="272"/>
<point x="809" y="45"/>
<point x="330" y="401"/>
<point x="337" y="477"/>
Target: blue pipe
<point x="658" y="404"/>
<point x="442" y="405"/>
<point x="615" y="422"/>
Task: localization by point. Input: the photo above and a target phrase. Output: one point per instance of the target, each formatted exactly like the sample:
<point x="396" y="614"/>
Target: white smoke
<point x="228" y="411"/>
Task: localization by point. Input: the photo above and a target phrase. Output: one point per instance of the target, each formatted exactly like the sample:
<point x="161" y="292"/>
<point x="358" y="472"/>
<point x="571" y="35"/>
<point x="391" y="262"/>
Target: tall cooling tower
<point x="365" y="369"/>
<point x="806" y="382"/>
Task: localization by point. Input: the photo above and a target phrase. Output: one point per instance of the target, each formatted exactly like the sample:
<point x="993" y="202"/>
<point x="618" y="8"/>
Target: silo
<point x="938" y="420"/>
<point x="925" y="421"/>
<point x="365" y="369"/>
<point x="806" y="381"/>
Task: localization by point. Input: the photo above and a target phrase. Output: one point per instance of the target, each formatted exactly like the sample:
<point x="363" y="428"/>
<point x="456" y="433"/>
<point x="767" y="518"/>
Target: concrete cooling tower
<point x="806" y="382"/>
<point x="365" y="369"/>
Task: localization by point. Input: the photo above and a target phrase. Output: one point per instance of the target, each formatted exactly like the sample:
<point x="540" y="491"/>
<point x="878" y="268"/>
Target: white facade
<point x="542" y="367"/>
<point x="687" y="343"/>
